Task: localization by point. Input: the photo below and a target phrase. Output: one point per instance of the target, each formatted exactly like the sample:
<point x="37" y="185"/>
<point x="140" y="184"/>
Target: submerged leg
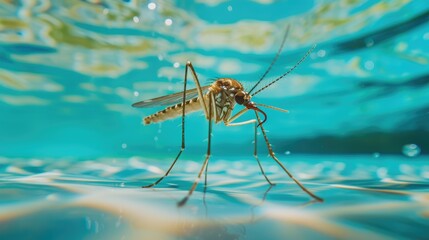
<point x="273" y="156"/>
<point x="206" y="161"/>
<point x="194" y="75"/>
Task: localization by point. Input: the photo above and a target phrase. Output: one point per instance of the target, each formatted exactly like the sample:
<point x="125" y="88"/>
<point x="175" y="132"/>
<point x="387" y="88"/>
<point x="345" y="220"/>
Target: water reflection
<point x="112" y="202"/>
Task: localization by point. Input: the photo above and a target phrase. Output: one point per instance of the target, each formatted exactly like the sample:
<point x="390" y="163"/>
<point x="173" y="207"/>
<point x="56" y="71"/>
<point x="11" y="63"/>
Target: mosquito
<point x="217" y="101"/>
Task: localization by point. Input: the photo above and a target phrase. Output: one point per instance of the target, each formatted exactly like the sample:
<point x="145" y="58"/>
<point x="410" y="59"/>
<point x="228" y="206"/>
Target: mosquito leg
<point x="204" y="201"/>
<point x="206" y="161"/>
<point x="189" y="65"/>
<point x="212" y="113"/>
<point x="271" y="152"/>
<point x="229" y="123"/>
<point x="168" y="171"/>
<point x="202" y="102"/>
<point x="255" y="154"/>
<point x="197" y="83"/>
<point x="205" y="178"/>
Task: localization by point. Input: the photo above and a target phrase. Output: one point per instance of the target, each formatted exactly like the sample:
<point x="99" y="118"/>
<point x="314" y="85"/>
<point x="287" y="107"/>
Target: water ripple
<point x="230" y="199"/>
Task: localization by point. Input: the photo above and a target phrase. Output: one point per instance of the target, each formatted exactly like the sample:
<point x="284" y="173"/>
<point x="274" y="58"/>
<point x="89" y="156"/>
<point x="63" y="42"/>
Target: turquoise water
<point x="74" y="154"/>
<point x="365" y="198"/>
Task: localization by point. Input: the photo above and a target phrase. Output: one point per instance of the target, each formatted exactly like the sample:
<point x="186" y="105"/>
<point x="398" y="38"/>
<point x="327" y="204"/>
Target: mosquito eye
<point x="239" y="98"/>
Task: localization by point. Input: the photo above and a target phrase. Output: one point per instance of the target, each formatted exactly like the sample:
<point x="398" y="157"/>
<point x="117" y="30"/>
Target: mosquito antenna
<point x="290" y="70"/>
<point x="273" y="61"/>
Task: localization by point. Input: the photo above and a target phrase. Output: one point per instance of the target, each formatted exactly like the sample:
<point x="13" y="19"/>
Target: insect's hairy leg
<point x="230" y="123"/>
<point x="182" y="148"/>
<point x="213" y="115"/>
<point x="197" y="83"/>
<point x="255" y="154"/>
<point x="273" y="156"/>
<point x="206" y="161"/>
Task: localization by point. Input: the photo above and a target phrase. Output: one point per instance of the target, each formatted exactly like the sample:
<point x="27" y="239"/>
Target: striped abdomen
<point x="174" y="111"/>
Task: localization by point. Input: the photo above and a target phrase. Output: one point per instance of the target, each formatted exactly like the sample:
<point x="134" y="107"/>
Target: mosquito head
<point x="242" y="98"/>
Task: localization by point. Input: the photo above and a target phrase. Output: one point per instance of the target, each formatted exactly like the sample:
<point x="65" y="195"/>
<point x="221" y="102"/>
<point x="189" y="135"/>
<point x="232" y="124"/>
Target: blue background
<point x="71" y="70"/>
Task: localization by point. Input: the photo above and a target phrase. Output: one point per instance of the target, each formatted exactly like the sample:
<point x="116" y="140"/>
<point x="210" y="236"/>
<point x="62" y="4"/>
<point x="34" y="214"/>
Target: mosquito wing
<point x="169" y="99"/>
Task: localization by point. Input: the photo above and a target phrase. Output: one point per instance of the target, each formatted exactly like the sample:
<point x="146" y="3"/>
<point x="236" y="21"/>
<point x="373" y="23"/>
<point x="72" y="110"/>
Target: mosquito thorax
<point x="228" y="86"/>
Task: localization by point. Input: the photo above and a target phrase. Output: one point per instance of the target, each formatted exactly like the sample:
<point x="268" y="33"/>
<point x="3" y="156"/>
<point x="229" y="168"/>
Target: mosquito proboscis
<point x="217" y="101"/>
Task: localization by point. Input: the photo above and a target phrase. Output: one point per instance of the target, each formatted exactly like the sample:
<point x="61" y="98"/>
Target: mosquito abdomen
<point x="174" y="111"/>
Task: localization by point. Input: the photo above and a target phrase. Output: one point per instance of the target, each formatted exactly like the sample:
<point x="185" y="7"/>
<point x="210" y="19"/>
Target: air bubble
<point x="369" y="42"/>
<point x="168" y="22"/>
<point x="151" y="6"/>
<point x="369" y="65"/>
<point x="411" y="150"/>
<point x="321" y="53"/>
<point x="382" y="172"/>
